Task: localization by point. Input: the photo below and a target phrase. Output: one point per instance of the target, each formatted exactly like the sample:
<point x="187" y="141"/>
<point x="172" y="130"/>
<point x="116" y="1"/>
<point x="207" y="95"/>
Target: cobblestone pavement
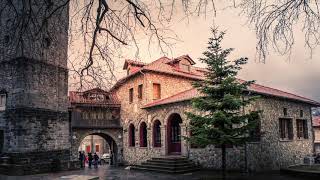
<point x="111" y="173"/>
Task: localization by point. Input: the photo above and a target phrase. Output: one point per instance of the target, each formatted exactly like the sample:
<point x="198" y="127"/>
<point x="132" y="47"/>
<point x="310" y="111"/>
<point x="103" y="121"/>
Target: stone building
<point x="155" y="96"/>
<point x="34" y="126"/>
<point x="316" y="129"/>
<point x="95" y="113"/>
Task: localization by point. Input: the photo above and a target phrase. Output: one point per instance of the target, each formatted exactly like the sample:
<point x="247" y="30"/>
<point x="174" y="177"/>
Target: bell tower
<point x="34" y="123"/>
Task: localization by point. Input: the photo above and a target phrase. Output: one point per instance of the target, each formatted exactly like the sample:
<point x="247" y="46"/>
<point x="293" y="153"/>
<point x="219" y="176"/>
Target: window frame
<point x="132" y="139"/>
<point x="3" y="101"/>
<point x="143" y="135"/>
<point x="158" y="92"/>
<point x="285" y="134"/>
<point x="140" y="91"/>
<point x="157" y="133"/>
<point x="302" y="129"/>
<point x="131" y="95"/>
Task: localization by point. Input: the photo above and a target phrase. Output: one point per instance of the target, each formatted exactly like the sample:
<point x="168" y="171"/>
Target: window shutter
<point x="290" y="129"/>
<point x="156" y="91"/>
<point x="131" y="95"/>
<point x="140" y="88"/>
<point x="305" y="129"/>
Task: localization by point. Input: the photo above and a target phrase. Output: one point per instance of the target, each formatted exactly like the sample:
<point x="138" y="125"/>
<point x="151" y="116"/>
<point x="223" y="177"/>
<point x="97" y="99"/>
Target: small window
<point x="301" y="113"/>
<point x="185" y="67"/>
<point x="131" y="95"/>
<point x="143" y="135"/>
<point x="140" y="90"/>
<point x="132" y="140"/>
<point x="302" y="129"/>
<point x="97" y="148"/>
<point x="156" y="91"/>
<point x="285" y="111"/>
<point x="285" y="129"/>
<point x="255" y="134"/>
<point x="3" y="101"/>
<point x="157" y="134"/>
<point x="100" y="115"/>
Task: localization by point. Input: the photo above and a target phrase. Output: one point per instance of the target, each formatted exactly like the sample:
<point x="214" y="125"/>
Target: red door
<point x="174" y="136"/>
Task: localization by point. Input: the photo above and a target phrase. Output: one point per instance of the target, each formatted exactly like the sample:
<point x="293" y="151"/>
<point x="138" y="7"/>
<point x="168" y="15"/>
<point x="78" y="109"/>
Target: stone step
<point x="169" y="161"/>
<point x="167" y="167"/>
<point x="165" y="170"/>
<point x="166" y="164"/>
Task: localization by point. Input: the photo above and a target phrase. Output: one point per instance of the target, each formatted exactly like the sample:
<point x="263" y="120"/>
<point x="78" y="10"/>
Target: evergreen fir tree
<point x="222" y="120"/>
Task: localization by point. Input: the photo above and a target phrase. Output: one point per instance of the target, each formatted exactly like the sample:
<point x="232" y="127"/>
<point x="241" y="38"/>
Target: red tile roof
<point x="316" y="121"/>
<point x="164" y="65"/>
<point x="182" y="96"/>
<point x="76" y="97"/>
<point x="259" y="89"/>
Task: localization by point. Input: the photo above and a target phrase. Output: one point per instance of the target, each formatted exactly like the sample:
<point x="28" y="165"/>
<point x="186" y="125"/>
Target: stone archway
<point x="112" y="138"/>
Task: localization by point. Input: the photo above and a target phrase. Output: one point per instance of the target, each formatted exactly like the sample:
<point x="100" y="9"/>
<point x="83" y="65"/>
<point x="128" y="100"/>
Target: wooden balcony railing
<point x="95" y="123"/>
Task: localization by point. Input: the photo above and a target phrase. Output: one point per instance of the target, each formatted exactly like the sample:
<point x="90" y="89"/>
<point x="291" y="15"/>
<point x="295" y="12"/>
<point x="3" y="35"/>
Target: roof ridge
<point x="160" y="100"/>
<point x="285" y="92"/>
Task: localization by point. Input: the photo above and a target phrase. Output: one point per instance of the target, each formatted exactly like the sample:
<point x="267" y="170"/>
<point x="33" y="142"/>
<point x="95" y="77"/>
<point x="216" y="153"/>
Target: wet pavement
<point x="119" y="173"/>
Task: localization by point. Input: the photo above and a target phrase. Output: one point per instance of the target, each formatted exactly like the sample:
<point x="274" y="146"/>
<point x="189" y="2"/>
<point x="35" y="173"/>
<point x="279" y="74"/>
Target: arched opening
<point x="174" y="134"/>
<point x="143" y="134"/>
<point x="101" y="144"/>
<point x="132" y="139"/>
<point x="156" y="134"/>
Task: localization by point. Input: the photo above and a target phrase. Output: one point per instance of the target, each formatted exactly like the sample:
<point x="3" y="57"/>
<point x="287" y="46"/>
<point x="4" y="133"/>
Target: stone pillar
<point x="184" y="143"/>
<point x="164" y="144"/>
<point x="34" y="74"/>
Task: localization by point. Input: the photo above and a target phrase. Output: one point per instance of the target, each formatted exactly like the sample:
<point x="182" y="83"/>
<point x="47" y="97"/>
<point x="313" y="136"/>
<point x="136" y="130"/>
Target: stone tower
<point x="34" y="123"/>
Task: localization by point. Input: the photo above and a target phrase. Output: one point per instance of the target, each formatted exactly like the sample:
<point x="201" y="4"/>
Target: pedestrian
<point x="81" y="159"/>
<point x="90" y="158"/>
<point x="111" y="157"/>
<point x="96" y="160"/>
<point x="84" y="158"/>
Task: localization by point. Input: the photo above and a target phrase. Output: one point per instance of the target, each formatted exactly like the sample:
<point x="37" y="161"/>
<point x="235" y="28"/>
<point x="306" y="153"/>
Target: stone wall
<point x="270" y="153"/>
<point x="133" y="112"/>
<point x="34" y="75"/>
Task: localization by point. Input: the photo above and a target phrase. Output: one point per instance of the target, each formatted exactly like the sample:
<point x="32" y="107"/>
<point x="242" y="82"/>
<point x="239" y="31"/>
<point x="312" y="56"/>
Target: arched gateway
<point x="174" y="134"/>
<point x="96" y="112"/>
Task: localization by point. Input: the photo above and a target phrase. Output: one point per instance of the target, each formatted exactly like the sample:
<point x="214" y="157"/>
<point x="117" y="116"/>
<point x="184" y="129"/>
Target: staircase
<point x="167" y="164"/>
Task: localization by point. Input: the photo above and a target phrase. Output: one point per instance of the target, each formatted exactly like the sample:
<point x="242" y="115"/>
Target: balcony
<point x="78" y="122"/>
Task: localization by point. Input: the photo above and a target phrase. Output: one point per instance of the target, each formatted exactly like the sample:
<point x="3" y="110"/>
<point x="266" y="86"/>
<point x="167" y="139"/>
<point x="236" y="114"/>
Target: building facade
<point x="95" y="123"/>
<point x="316" y="129"/>
<point x="154" y="98"/>
<point x="34" y="126"/>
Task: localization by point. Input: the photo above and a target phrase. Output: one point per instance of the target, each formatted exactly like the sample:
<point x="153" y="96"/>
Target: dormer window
<point x="185" y="67"/>
<point x="3" y="101"/>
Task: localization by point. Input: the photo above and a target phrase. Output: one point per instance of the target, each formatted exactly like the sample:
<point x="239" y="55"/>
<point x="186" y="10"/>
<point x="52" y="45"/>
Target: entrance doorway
<point x="101" y="144"/>
<point x="174" y="134"/>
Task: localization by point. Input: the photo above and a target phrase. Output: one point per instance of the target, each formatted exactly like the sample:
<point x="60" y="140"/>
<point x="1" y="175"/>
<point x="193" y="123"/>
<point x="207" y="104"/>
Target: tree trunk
<point x="224" y="163"/>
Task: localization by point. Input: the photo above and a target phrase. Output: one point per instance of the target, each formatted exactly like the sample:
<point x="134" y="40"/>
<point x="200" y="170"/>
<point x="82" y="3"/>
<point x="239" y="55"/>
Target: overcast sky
<point x="299" y="75"/>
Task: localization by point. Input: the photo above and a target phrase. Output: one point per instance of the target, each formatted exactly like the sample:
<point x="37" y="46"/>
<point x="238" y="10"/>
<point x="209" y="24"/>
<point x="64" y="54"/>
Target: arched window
<point x="143" y="134"/>
<point x="132" y="139"/>
<point x="156" y="134"/>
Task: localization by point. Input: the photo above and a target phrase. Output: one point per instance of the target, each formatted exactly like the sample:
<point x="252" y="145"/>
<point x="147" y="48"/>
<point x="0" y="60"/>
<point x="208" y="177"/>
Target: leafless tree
<point x="107" y="26"/>
<point x="104" y="27"/>
<point x="276" y="22"/>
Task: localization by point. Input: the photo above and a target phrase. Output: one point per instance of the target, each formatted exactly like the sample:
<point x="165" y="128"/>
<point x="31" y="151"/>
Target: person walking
<point x="96" y="160"/>
<point x="90" y="158"/>
<point x="81" y="159"/>
<point x="84" y="159"/>
<point x="111" y="157"/>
